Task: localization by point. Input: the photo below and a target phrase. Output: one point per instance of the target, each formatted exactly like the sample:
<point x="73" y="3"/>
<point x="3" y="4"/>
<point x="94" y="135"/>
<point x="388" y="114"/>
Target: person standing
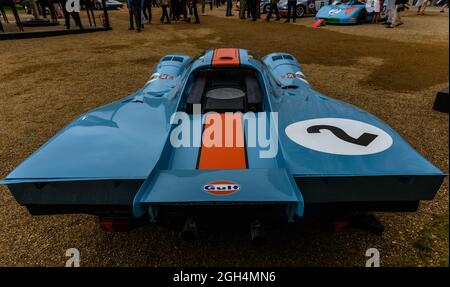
<point x="444" y="6"/>
<point x="399" y="7"/>
<point x="291" y="7"/>
<point x="203" y="7"/>
<point x="252" y="8"/>
<point x="147" y="7"/>
<point x="188" y="9"/>
<point x="422" y="7"/>
<point x="229" y="8"/>
<point x="376" y="11"/>
<point x="75" y="16"/>
<point x="43" y="4"/>
<point x="183" y="9"/>
<point x="130" y="14"/>
<point x="242" y="8"/>
<point x="165" y="14"/>
<point x="137" y="12"/>
<point x="391" y="11"/>
<point x="258" y="9"/>
<point x="273" y="8"/>
<point x="194" y="11"/>
<point x="175" y="10"/>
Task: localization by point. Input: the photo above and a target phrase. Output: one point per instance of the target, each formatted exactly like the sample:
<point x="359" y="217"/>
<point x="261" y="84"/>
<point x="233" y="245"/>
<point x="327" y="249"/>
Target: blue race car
<point x="351" y="12"/>
<point x="303" y="7"/>
<point x="162" y="153"/>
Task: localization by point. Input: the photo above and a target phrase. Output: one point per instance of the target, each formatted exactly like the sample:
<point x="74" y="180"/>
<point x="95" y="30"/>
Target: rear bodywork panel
<point x="118" y="159"/>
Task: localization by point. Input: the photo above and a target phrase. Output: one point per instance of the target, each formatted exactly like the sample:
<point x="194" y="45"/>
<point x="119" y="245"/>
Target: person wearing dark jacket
<point x="291" y="7"/>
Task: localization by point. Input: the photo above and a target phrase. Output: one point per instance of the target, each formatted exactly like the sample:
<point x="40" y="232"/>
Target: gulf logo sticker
<point x="221" y="187"/>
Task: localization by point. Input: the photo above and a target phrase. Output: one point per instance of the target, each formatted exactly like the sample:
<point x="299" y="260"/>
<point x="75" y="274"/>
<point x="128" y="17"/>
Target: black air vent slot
<point x="173" y="59"/>
<point x="177" y="59"/>
<point x="276" y="58"/>
<point x="281" y="57"/>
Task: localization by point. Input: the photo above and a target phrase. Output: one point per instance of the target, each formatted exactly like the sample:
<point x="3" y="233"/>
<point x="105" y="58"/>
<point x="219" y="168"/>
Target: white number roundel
<point x="339" y="136"/>
<point x="334" y="11"/>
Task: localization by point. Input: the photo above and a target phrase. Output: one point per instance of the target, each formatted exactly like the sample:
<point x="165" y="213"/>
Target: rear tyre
<point x="361" y="18"/>
<point x="300" y="11"/>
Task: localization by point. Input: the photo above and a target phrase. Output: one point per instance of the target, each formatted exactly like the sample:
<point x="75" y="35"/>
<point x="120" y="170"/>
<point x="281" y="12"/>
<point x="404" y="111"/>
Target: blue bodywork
<point x="120" y="154"/>
<point x="352" y="12"/>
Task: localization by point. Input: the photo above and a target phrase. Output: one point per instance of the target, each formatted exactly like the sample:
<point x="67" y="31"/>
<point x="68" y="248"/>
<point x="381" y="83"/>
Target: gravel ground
<point x="45" y="83"/>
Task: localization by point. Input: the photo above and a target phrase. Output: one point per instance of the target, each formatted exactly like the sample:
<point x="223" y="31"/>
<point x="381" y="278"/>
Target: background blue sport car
<point x="351" y="12"/>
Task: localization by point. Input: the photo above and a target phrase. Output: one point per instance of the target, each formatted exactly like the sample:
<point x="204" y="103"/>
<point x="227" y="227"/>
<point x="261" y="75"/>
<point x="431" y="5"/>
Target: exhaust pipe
<point x="189" y="232"/>
<point x="257" y="233"/>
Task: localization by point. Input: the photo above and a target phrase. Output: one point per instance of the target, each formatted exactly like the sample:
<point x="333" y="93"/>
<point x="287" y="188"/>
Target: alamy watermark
<point x="261" y="130"/>
<point x="74" y="257"/>
<point x="374" y="257"/>
<point x="73" y="6"/>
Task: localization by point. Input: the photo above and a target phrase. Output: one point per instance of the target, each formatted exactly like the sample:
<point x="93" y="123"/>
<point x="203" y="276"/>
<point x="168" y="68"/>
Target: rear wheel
<point x="300" y="11"/>
<point x="361" y="18"/>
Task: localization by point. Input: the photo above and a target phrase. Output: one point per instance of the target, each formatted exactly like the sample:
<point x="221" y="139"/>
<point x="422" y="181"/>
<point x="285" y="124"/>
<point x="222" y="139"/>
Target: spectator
<point x="399" y="7"/>
<point x="203" y="7"/>
<point x="291" y="11"/>
<point x="229" y="8"/>
<point x="390" y="11"/>
<point x="175" y="8"/>
<point x="193" y="8"/>
<point x="165" y="14"/>
<point x="134" y="13"/>
<point x="378" y="7"/>
<point x="183" y="10"/>
<point x="273" y="8"/>
<point x="58" y="9"/>
<point x="252" y="8"/>
<point x="422" y="7"/>
<point x="257" y="8"/>
<point x="444" y="6"/>
<point x="147" y="7"/>
<point x="242" y="8"/>
<point x="75" y="16"/>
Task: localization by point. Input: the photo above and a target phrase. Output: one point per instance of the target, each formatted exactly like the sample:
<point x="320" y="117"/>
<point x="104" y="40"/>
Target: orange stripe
<point x="223" y="154"/>
<point x="350" y="10"/>
<point x="225" y="57"/>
